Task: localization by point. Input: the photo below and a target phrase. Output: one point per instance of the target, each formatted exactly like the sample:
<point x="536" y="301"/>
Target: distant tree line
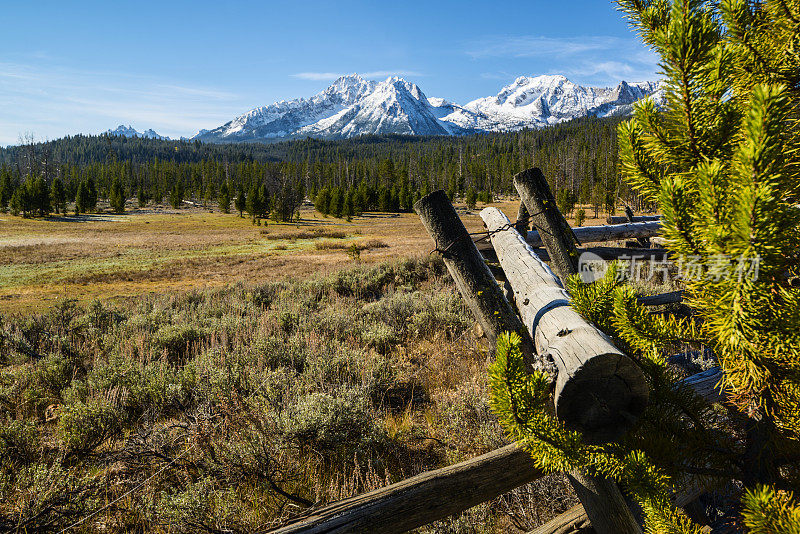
<point x="342" y="178"/>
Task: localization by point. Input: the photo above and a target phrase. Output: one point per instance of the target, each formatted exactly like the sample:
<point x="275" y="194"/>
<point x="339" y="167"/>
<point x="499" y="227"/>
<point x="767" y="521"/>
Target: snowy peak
<point x="353" y="106"/>
<point x="129" y="131"/>
<point x="350" y="88"/>
<point x="394" y="106"/>
<point x="542" y="100"/>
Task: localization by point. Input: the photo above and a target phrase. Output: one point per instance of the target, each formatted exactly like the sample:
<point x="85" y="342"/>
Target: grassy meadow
<point x="43" y="261"/>
<point x="235" y="408"/>
<point x="188" y="371"/>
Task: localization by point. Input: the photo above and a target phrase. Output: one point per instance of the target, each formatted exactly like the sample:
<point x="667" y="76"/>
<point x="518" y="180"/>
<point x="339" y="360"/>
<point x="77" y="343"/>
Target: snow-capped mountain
<point x="129" y="131"/>
<point x="542" y="100"/>
<point x="285" y="118"/>
<point x="394" y="106"/>
<point x="354" y="106"/>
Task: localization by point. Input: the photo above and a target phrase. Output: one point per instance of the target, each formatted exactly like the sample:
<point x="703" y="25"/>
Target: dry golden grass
<point x="118" y="256"/>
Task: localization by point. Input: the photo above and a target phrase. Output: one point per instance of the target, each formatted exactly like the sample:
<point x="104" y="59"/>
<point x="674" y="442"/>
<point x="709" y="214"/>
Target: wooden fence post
<point x="554" y="230"/>
<point x="643" y="241"/>
<point x="472" y="276"/>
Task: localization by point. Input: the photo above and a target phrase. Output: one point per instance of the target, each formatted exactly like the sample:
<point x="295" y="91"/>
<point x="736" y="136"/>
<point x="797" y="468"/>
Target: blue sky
<point x="71" y="67"/>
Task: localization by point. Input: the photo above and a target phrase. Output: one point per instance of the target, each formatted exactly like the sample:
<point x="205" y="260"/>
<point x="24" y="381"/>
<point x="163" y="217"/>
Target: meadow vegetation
<point x="236" y="408"/>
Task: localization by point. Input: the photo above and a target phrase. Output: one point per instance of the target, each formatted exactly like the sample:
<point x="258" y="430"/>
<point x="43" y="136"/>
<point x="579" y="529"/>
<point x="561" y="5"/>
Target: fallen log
<point x="642" y="241"/>
<point x="706" y="383"/>
<point x="672" y="297"/>
<point x="573" y="521"/>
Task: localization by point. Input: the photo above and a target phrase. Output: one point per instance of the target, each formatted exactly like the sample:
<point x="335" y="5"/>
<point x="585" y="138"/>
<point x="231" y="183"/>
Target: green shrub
<point x="331" y="424"/>
<point x="19" y="442"/>
<point x="176" y="340"/>
<point x="85" y="425"/>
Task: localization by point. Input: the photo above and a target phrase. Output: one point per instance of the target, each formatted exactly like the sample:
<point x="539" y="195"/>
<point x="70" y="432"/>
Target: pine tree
<point x="721" y="161"/>
<point x="6" y="189"/>
<point x="58" y="196"/>
<point x="241" y="201"/>
<point x="336" y="206"/>
<point x="116" y="196"/>
<point x="323" y="201"/>
<point x="209" y="195"/>
<point x="471" y="199"/>
<point x="224" y="197"/>
<point x="81" y="201"/>
<point x="176" y="195"/>
<point x="90" y="202"/>
<point x="264" y="201"/>
<point x="39" y="195"/>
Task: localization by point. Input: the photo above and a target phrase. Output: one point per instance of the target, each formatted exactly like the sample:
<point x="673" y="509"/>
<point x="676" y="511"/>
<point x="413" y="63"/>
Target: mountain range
<point x="353" y="106"/>
<point x="130" y="131"/>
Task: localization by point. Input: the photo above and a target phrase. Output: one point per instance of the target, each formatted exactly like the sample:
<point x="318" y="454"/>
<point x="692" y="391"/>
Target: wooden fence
<point x="598" y="388"/>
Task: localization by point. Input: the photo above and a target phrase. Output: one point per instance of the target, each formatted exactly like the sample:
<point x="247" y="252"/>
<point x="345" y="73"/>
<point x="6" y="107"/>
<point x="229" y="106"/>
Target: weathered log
<point x="706" y="384"/>
<point x="472" y="277"/>
<point x="599" y="390"/>
<point x="605" y="253"/>
<point x="424" y="498"/>
<point x="597" y="234"/>
<point x="541" y="204"/>
<point x="621" y="219"/>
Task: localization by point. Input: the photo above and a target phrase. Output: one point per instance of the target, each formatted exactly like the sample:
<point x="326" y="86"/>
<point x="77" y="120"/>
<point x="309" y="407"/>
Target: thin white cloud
<point x="317" y="76"/>
<point x="331" y="76"/>
<point x="590" y="59"/>
<point x="540" y="46"/>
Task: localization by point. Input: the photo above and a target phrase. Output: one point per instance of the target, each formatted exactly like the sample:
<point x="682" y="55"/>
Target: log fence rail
<point x="554" y="338"/>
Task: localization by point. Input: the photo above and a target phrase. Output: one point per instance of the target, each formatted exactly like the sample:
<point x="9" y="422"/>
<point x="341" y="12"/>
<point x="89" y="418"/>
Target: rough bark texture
<point x="541" y="204"/>
<point x="604" y="504"/>
<point x="599" y="390"/>
<point x="472" y="277"/>
<point x="424" y="498"/>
